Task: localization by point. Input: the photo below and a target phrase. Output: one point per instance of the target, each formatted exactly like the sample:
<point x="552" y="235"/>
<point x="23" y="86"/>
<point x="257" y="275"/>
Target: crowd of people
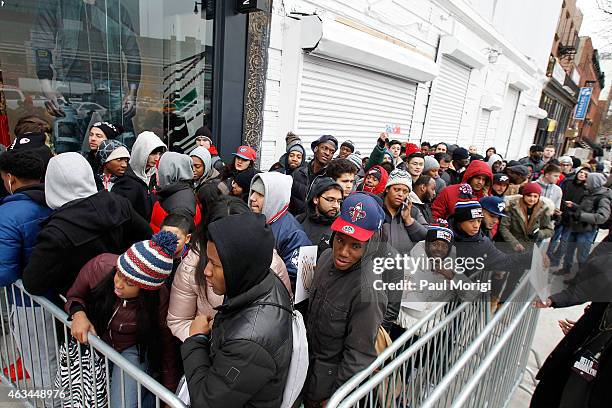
<point x="185" y="264"/>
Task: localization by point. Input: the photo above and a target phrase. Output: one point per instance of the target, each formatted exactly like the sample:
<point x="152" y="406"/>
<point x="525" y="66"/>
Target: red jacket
<point x="121" y="329"/>
<point x="444" y="205"/>
<point x="159" y="214"/>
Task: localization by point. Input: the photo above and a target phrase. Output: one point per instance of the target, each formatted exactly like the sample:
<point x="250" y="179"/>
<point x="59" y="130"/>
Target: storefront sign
<point x="248" y="6"/>
<point x="583" y="103"/>
<point x="558" y="73"/>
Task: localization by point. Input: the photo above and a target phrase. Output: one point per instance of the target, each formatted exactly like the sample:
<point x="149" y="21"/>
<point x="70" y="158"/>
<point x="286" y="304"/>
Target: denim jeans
<point x="580" y="242"/>
<point x="130" y="386"/>
<point x="554" y="241"/>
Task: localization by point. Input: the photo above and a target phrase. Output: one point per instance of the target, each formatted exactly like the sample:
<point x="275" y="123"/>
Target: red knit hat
<point x="531" y="188"/>
<point x="412" y="148"/>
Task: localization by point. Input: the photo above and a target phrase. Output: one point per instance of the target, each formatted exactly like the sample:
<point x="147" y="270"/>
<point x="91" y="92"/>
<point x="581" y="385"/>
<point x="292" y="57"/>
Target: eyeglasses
<point x="332" y="200"/>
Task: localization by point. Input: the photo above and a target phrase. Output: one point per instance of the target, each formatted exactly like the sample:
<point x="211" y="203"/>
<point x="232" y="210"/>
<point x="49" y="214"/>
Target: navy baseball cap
<point x="360" y="216"/>
<point x="494" y="205"/>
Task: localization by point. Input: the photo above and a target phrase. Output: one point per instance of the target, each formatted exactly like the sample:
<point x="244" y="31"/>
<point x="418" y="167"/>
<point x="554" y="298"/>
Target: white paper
<point x="538" y="274"/>
<point x="307" y="261"/>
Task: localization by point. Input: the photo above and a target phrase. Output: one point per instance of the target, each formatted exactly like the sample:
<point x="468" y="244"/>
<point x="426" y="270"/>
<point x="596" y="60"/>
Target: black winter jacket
<point x="557" y="368"/>
<point x="136" y="191"/>
<point x="178" y="198"/>
<point x="77" y="232"/>
<point x="303" y="177"/>
<point x="344" y="315"/>
<point x="572" y="191"/>
<point x="246" y="361"/>
<point x="316" y="227"/>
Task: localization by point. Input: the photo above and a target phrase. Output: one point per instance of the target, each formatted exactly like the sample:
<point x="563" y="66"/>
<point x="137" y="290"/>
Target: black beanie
<point x="349" y="144"/>
<point x="243" y="178"/>
<point x="111" y="131"/>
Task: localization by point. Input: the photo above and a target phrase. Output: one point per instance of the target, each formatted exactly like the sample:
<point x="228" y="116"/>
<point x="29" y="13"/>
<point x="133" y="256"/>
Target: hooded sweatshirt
<point x="318" y="226"/>
<point x="209" y="172"/>
<point x="551" y="191"/>
<point x="493" y="159"/>
<point x="288" y="233"/>
<point x="145" y="143"/>
<point x="68" y="178"/>
<point x="595" y="206"/>
<point x="282" y="166"/>
<point x="444" y="205"/>
<point x="85" y="224"/>
<point x="175" y="194"/>
<point x="252" y="332"/>
<point x="380" y="187"/>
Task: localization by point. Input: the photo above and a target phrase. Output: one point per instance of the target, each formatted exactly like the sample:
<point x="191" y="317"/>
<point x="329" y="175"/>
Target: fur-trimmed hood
<point x="547" y="205"/>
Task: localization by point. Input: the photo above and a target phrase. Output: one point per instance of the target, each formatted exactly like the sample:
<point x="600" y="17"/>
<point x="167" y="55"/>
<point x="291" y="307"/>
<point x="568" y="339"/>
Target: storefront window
<point x="143" y="64"/>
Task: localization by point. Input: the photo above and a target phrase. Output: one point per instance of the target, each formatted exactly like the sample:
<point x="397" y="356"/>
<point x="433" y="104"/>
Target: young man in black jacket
<point x="85" y="223"/>
<point x="243" y="358"/>
<point x="346" y="307"/>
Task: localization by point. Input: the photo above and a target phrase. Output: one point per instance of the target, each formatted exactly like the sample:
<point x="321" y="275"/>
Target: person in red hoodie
<point x="477" y="180"/>
<point x="375" y="181"/>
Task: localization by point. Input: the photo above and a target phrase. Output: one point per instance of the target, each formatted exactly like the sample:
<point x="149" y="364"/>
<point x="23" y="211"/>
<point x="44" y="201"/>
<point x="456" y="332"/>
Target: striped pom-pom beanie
<point x="147" y="264"/>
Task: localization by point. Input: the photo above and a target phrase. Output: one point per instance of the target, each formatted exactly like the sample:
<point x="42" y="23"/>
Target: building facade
<point x="438" y="71"/>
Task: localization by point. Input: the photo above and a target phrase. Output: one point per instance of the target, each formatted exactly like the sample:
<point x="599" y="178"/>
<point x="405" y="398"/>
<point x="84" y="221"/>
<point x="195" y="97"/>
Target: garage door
<point x="447" y="101"/>
<point x="480" y="136"/>
<point x="351" y="103"/>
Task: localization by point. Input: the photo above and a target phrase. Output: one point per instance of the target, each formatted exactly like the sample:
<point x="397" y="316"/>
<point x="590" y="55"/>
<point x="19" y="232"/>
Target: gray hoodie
<point x="145" y="143"/>
<point x="68" y="178"/>
<point x="594" y="208"/>
<point x="552" y="192"/>
<point x="276" y="198"/>
<point x="493" y="159"/>
<point x="174" y="167"/>
<point x="209" y="171"/>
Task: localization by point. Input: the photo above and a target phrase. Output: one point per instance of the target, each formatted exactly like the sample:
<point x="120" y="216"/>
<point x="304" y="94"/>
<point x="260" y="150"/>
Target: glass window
<point x="143" y="64"/>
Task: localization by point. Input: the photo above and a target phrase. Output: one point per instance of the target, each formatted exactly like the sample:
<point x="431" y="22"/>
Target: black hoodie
<point x="77" y="232"/>
<point x="136" y="191"/>
<point x="317" y="226"/>
<point x="245" y="360"/>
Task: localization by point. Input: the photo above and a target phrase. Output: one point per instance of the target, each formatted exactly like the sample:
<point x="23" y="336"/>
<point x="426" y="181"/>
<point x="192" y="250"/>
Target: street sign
<point x="583" y="103"/>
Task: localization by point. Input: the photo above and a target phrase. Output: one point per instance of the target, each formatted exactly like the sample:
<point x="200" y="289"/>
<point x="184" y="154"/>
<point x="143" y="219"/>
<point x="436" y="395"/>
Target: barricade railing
<point x="33" y="329"/>
<point x="445" y="365"/>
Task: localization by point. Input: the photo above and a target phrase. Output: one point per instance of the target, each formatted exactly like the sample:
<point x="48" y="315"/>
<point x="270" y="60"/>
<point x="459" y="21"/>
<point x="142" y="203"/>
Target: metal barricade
<point x="33" y="329"/>
<point x="464" y="357"/>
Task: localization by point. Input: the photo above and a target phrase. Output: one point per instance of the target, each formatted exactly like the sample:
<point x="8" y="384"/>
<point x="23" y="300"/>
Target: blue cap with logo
<point x="360" y="216"/>
<point x="494" y="205"/>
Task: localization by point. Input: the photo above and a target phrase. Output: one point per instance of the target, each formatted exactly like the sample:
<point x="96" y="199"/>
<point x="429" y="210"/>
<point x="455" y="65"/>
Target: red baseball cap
<point x="246" y="153"/>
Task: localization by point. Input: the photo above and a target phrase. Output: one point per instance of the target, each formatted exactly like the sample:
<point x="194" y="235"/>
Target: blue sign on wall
<point x="583" y="103"/>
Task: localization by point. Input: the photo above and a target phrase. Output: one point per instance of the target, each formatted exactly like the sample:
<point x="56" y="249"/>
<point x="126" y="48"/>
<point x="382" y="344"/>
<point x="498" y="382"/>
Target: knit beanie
<point x="355" y="159"/>
<point x="110" y="131"/>
<point x="258" y="186"/>
<point x="430" y="164"/>
<point x="111" y="150"/>
<point x="460" y="153"/>
<point x="438" y="232"/>
<point x="296" y="146"/>
<point x="467" y="210"/>
<point x="325" y="139"/>
<point x="412" y="148"/>
<point x="147" y="264"/>
<point x="244" y="178"/>
<point x="530" y="188"/>
<point x="565" y="160"/>
<point x="349" y="144"/>
<point x="398" y="176"/>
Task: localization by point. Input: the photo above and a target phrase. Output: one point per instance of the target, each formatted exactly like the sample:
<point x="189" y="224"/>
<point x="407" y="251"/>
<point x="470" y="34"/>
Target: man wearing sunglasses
<point x="322" y="209"/>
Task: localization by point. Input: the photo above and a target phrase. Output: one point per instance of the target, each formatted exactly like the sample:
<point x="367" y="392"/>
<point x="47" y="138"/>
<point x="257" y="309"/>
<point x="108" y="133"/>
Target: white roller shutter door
<point x="506" y="124"/>
<point x="481" y="130"/>
<point x="351" y="103"/>
<point x="447" y="101"/>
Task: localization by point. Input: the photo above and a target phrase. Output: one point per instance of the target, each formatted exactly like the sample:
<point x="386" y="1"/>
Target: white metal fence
<point x="465" y="357"/>
<point x="32" y="331"/>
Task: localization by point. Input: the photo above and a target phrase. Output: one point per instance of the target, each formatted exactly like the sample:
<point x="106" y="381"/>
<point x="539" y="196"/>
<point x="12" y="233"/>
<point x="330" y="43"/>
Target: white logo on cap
<point x="347" y="229"/>
<point x="476" y="212"/>
<point x="501" y="207"/>
<point x="24" y="140"/>
<point x="243" y="149"/>
<point x="443" y="235"/>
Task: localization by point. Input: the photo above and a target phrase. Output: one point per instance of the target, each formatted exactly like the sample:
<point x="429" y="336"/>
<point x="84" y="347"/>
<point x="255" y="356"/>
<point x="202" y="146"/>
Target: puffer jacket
<point x="344" y="315"/>
<point x="595" y="206"/>
<point x="177" y="198"/>
<point x="444" y="205"/>
<point x="20" y="216"/>
<point x="121" y="331"/>
<point x="188" y="299"/>
<point x="515" y="229"/>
